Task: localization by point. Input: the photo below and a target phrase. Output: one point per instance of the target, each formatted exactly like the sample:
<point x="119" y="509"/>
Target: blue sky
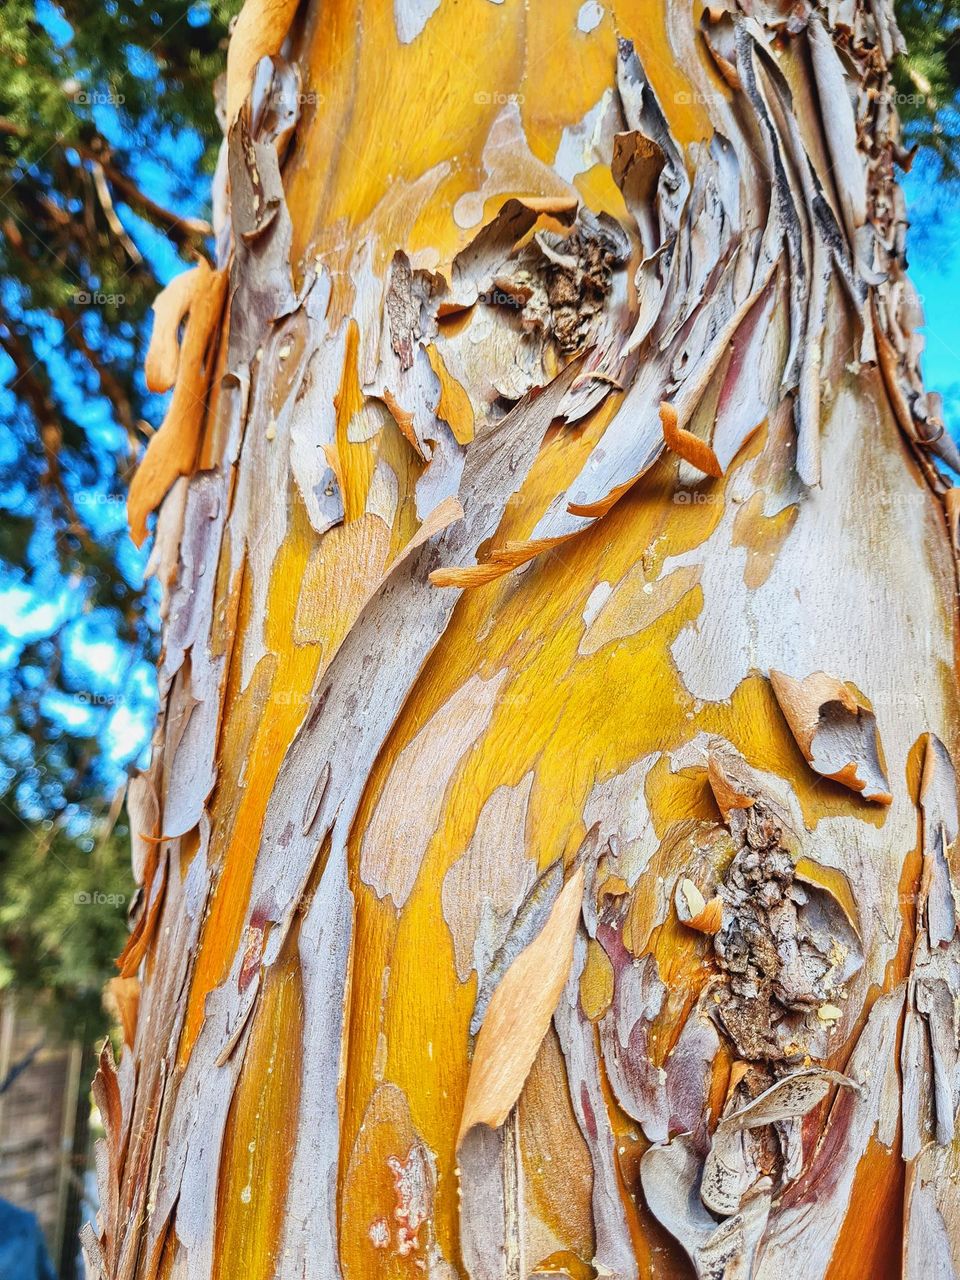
<point x="117" y="688"/>
<point x="935" y="271"/>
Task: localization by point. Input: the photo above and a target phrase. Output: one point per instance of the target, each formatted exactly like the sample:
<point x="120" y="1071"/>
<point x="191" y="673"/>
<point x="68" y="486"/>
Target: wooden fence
<point x="44" y="1113"/>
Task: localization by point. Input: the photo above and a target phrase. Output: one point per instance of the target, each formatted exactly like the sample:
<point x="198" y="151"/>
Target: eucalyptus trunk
<point x="546" y="849"/>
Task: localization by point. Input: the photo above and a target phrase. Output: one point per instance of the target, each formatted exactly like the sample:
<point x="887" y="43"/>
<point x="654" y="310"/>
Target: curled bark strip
<point x="260" y="30"/>
<point x="94" y="1263"/>
<point x="730" y="791"/>
<point x="689" y="447"/>
<point x="835" y="731"/>
<point x="670" y="1176"/>
<point x="636" y="166"/>
<point x="501" y="560"/>
<point x="745" y="379"/>
<point x="143" y="813"/>
<point x="163" y="562"/>
<point x="839" y="126"/>
<point x="729" y="1171"/>
<point x="951" y="502"/>
<point x="614" y="1254"/>
<point x="169" y="308"/>
<point x="716" y="26"/>
<point x="109" y="1154"/>
<point x="128" y="962"/>
<point x="519" y="1014"/>
<point x="694" y="910"/>
<point x="172" y="450"/>
<point x="930" y="1059"/>
<point x="124" y="993"/>
<point x="527" y="923"/>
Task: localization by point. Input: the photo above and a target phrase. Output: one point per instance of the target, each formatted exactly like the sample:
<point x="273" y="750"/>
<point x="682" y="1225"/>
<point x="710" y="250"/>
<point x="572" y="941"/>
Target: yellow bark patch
<point x="763" y="536"/>
<point x="596" y="982"/>
<point x="636" y="604"/>
<point x="261" y="1130"/>
<point x="454" y="406"/>
<point x="388" y="1195"/>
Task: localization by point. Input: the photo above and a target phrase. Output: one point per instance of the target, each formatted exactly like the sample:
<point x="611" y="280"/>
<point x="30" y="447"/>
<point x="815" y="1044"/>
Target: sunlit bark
<point x="546" y="851"/>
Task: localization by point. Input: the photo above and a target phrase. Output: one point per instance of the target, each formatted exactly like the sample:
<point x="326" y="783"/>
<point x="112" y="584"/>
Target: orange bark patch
<point x="173" y="449"/>
<point x="870" y="1240"/>
<point x="454" y="406"/>
<point x="558" y="1172"/>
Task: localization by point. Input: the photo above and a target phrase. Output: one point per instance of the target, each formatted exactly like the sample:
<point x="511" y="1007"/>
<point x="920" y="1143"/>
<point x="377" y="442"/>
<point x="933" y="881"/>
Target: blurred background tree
<point x="928" y="80"/>
<point x="107" y="139"/>
<point x="62" y="920"/>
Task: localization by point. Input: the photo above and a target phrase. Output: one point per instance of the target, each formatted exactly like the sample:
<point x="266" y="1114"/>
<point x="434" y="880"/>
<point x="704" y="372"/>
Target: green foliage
<point x="107" y="133"/>
<point x="928" y="82"/>
<point x="63" y="903"/>
<point x="107" y="130"/>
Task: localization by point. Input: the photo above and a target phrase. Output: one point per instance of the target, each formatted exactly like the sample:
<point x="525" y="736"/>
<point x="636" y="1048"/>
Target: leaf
<point x="519" y="1014"/>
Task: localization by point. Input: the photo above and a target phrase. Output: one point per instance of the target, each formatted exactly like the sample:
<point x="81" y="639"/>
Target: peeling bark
<point x="547" y="855"/>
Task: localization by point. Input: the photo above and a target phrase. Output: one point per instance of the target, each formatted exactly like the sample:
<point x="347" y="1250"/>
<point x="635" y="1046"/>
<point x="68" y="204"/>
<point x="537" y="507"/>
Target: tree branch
<point x="184" y="232"/>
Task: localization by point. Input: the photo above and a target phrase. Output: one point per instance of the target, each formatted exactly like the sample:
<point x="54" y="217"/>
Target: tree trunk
<point x="546" y="850"/>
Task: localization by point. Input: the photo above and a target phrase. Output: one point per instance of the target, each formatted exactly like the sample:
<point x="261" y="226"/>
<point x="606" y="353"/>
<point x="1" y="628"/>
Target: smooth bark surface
<point x="546" y="854"/>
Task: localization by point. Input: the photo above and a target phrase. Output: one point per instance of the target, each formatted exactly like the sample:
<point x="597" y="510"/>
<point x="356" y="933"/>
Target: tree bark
<point x="548" y="843"/>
